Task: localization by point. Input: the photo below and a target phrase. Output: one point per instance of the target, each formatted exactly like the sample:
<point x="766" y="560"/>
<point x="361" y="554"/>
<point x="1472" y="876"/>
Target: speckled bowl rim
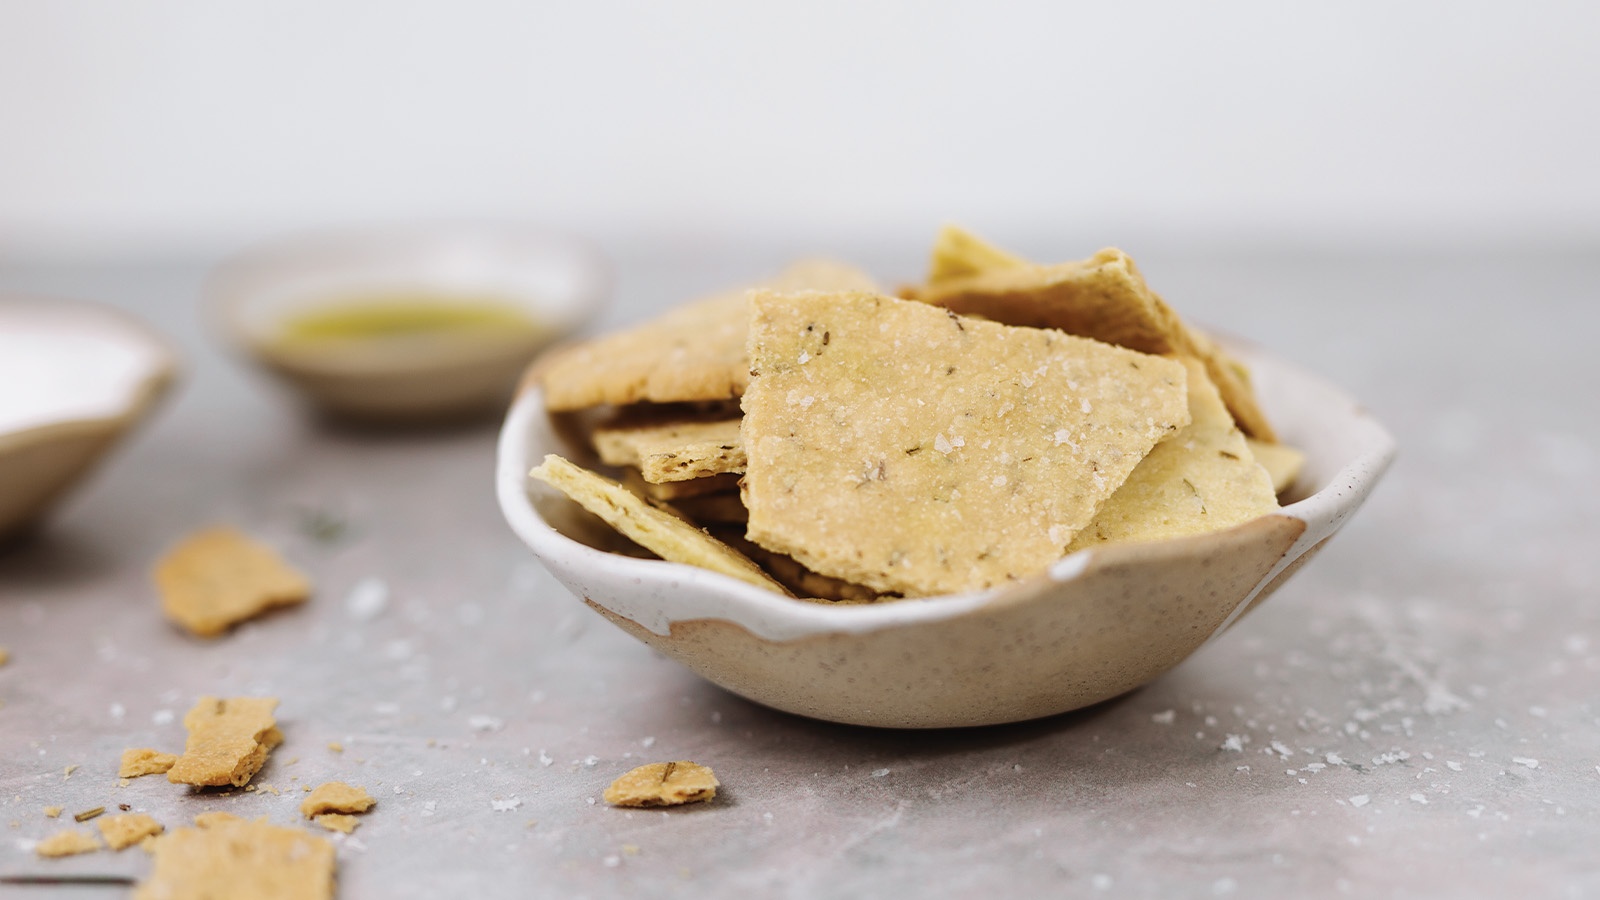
<point x="694" y="593"/>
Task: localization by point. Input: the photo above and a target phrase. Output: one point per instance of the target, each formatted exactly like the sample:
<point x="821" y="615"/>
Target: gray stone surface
<point x="1416" y="714"/>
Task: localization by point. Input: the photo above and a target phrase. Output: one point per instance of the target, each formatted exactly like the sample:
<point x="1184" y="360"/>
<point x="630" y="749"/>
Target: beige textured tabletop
<point x="1416" y="714"/>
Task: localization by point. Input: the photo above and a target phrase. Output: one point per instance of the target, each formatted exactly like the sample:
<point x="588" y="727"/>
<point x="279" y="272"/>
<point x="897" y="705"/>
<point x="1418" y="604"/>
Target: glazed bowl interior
<point x="79" y="377"/>
<point x="1098" y="623"/>
<point x="559" y="283"/>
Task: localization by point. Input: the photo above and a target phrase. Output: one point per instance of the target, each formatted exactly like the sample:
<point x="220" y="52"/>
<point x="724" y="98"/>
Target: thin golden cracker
<point x="801" y="581"/>
<point x="341" y="822"/>
<point x="664" y="784"/>
<point x="694" y="352"/>
<point x="662" y="533"/>
<point x="336" y="797"/>
<point x="1282" y="462"/>
<point x="137" y="761"/>
<point x="674" y="491"/>
<point x="228" y="741"/>
<point x="239" y="860"/>
<point x="70" y="842"/>
<point x="126" y="830"/>
<point x="1201" y="479"/>
<point x="899" y="446"/>
<point x="1106" y="298"/>
<point x="673" y="451"/>
<point x="218" y="577"/>
<point x="958" y="253"/>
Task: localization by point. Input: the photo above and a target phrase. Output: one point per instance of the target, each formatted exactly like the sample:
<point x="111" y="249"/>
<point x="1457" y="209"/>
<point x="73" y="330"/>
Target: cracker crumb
<point x="336" y="797"/>
<point x="52" y="812"/>
<point x="217" y="578"/>
<point x="5" y="656"/>
<point x="67" y="772"/>
<point x="228" y="741"/>
<point x="137" y="761"/>
<point x="335" y="746"/>
<point x="126" y="830"/>
<point x="663" y="784"/>
<point x="229" y="857"/>
<point x="341" y="822"/>
<point x="69" y="842"/>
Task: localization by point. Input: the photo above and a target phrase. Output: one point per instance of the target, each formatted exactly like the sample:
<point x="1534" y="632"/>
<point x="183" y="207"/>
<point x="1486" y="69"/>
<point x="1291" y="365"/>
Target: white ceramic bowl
<point x="74" y="378"/>
<point x="560" y="282"/>
<point x="1099" y="623"/>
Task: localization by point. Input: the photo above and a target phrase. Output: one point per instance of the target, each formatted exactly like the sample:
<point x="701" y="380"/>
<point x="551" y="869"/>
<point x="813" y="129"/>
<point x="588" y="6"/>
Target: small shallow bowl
<point x="1097" y="624"/>
<point x="77" y="378"/>
<point x="559" y="282"/>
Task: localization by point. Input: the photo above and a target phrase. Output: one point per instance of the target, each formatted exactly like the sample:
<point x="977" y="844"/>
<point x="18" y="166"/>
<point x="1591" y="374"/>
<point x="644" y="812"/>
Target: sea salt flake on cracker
<point x="1203" y="478"/>
<point x="664" y="534"/>
<point x="663" y="784"/>
<point x="336" y="797"/>
<point x="673" y="451"/>
<point x="1106" y="298"/>
<point x="126" y="830"/>
<point x="218" y="577"/>
<point x="694" y="352"/>
<point x="137" y="761"/>
<point x="241" y="860"/>
<point x="940" y="453"/>
<point x="228" y="741"/>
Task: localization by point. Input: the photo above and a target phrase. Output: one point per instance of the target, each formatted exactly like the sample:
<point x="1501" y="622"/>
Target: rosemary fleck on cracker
<point x="902" y="447"/>
<point x="228" y="741"/>
<point x="664" y="534"/>
<point x="694" y="352"/>
<point x="663" y="784"/>
<point x="217" y="578"/>
<point x="1201" y="479"/>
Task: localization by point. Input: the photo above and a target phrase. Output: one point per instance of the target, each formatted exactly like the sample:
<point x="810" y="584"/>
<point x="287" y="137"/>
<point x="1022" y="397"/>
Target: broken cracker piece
<point x="336" y="797"/>
<point x="341" y="822"/>
<point x="126" y="830"/>
<point x="228" y="741"/>
<point x="1106" y="298"/>
<point x="694" y="352"/>
<point x="1282" y="462"/>
<point x="958" y="253"/>
<point x="663" y="784"/>
<point x="218" y="577"/>
<point x="214" y="818"/>
<point x="137" y="761"/>
<point x="899" y="446"/>
<point x="240" y="860"/>
<point x="662" y="533"/>
<point x="69" y="842"/>
<point x="1201" y="479"/>
<point x="673" y="451"/>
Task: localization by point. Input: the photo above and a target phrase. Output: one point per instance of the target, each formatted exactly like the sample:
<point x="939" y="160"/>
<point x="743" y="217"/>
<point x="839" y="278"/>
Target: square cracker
<point x="218" y="577"/>
<point x="1281" y="461"/>
<point x="1106" y="298"/>
<point x="899" y="446"/>
<point x="663" y="533"/>
<point x="228" y="741"/>
<point x="1201" y="479"/>
<point x="694" y="352"/>
<point x="673" y="451"/>
<point x="230" y="857"/>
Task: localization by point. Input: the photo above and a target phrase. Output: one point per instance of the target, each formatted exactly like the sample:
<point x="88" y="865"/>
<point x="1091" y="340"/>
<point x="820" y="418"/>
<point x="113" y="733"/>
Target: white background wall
<point x="156" y="126"/>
